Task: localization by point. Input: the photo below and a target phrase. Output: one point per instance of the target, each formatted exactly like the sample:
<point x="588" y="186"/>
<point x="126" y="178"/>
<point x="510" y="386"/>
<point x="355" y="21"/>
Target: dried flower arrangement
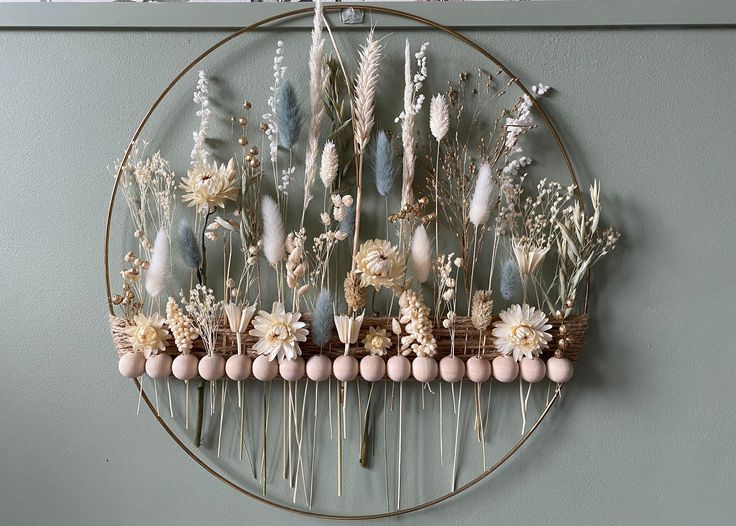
<point x="417" y="293"/>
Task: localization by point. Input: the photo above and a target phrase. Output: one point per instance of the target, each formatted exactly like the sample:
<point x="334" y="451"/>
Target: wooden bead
<point x="505" y="369"/>
<point x="185" y="366"/>
<point x="452" y="369"/>
<point x="345" y="368"/>
<point x="319" y="368"/>
<point x="292" y="370"/>
<point x="559" y="370"/>
<point x="132" y="364"/>
<point x="424" y="369"/>
<point x="265" y="370"/>
<point x="159" y="366"/>
<point x="479" y="369"/>
<point x="398" y="368"/>
<point x="532" y="370"/>
<point x="372" y="368"/>
<point x="238" y="367"/>
<point x="212" y="367"/>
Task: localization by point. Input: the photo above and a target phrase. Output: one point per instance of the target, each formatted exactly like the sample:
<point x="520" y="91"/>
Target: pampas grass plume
<point x="274" y="246"/>
<point x="289" y="115"/>
<point x="480" y="205"/>
<point x="158" y="271"/>
<point x="421" y="254"/>
<point x="509" y="279"/>
<point x="188" y="247"/>
<point x="323" y="319"/>
<point x="383" y="164"/>
<point x="365" y="90"/>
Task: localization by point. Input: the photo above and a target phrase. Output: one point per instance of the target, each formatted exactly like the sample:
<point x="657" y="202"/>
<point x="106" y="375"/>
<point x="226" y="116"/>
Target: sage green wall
<point x="645" y="433"/>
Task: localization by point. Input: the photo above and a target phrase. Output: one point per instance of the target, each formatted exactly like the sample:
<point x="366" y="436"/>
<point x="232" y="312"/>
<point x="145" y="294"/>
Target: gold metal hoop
<point x="259" y="24"/>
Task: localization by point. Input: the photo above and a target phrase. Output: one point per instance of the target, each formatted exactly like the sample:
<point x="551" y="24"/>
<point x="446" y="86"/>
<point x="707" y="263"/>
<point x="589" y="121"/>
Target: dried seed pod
<point x="354" y="293"/>
<point x="481" y="310"/>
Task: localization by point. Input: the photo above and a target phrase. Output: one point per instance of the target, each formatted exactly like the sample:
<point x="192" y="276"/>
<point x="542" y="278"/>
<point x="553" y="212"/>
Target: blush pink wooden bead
<point x="345" y="368"/>
<point x="452" y="369"/>
<point x="132" y="364"/>
<point x="237" y="367"/>
<point x="292" y="370"/>
<point x="505" y="369"/>
<point x="532" y="370"/>
<point x="372" y="368"/>
<point x="319" y="368"/>
<point x="424" y="369"/>
<point x="185" y="366"/>
<point x="159" y="366"/>
<point x="559" y="370"/>
<point x="479" y="369"/>
<point x="398" y="368"/>
<point x="264" y="370"/>
<point x="212" y="367"/>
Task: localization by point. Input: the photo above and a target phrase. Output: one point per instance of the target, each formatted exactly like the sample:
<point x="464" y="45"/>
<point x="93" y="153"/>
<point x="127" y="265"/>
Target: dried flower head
<point x="376" y="341"/>
<point x="279" y="333"/>
<point x="522" y="331"/>
<point x="207" y="186"/>
<point x="147" y="334"/>
<point x="380" y="265"/>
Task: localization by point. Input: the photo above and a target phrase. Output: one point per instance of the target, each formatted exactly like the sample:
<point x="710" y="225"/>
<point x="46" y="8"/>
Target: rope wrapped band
<point x="468" y="340"/>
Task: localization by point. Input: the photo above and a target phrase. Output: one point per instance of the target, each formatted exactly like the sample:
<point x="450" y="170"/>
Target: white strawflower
<point x="279" y="333"/>
<point x="380" y="265"/>
<point x="522" y="331"/>
<point x="147" y="334"/>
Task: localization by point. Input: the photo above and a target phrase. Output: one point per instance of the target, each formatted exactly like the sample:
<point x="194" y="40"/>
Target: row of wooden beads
<point x="319" y="368"/>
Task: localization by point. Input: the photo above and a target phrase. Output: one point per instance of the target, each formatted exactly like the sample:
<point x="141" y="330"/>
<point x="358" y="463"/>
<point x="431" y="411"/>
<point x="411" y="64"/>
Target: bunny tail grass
<point x="289" y="115"/>
<point x="421" y="254"/>
<point x="323" y="319"/>
<point x="480" y="210"/>
<point x="273" y="231"/>
<point x="384" y="168"/>
<point x="158" y="273"/>
<point x="189" y="247"/>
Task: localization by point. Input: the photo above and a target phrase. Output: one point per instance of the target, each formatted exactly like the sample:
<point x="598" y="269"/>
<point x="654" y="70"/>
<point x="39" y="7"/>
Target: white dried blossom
<point x="417" y="325"/>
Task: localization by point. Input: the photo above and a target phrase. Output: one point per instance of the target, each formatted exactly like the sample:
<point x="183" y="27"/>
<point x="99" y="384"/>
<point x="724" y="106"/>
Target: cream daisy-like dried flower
<point x="522" y="331"/>
<point x="439" y="117"/>
<point x="417" y="325"/>
<point x="481" y="309"/>
<point x="147" y="334"/>
<point x="376" y="341"/>
<point x="181" y="327"/>
<point x="279" y="333"/>
<point x="207" y="187"/>
<point x="379" y="264"/>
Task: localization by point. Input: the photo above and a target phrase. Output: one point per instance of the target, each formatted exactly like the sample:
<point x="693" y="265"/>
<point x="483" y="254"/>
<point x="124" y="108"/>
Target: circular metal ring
<point x="265" y="22"/>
